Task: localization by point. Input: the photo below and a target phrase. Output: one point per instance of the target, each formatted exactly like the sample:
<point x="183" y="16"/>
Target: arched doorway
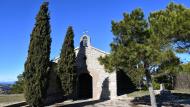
<point x="85" y="86"/>
<point x="124" y="83"/>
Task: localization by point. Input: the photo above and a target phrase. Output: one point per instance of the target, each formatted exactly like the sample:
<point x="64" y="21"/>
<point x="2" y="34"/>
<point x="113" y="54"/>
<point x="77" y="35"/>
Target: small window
<point x="85" y="40"/>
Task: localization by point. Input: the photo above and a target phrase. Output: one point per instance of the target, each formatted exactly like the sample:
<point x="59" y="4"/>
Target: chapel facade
<point x="92" y="79"/>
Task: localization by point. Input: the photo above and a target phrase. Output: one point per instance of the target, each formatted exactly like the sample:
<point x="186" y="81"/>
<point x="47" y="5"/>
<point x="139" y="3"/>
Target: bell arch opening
<point x="85" y="86"/>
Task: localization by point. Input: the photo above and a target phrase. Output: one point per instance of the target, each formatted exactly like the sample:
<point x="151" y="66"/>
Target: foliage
<point x="37" y="63"/>
<point x="18" y="87"/>
<point x="135" y="48"/>
<point x="173" y="25"/>
<point x="186" y="67"/>
<point x="66" y="69"/>
<point x="168" y="76"/>
<point x="169" y="66"/>
<point x="142" y="45"/>
<point x="167" y="79"/>
<point x="130" y="34"/>
<point x="156" y="85"/>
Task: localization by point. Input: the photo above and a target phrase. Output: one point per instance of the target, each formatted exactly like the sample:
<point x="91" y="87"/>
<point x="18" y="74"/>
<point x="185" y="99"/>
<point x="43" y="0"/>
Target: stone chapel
<point x="92" y="79"/>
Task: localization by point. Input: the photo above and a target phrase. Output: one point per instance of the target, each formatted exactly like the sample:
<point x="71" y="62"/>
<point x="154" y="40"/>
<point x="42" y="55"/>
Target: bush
<point x="156" y="85"/>
<point x="18" y="87"/>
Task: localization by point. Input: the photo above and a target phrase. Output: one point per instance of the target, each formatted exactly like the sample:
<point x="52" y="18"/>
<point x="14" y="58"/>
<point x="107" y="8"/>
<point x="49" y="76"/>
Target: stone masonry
<point x="104" y="84"/>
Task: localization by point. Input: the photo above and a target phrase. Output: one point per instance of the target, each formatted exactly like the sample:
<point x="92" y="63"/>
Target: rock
<point x="165" y="92"/>
<point x="166" y="95"/>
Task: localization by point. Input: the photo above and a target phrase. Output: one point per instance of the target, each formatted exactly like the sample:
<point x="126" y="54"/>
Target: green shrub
<point x="18" y="87"/>
<point x="156" y="85"/>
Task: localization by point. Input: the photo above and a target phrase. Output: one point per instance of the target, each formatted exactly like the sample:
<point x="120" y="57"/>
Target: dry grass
<point x="138" y="93"/>
<point x="143" y="93"/>
<point x="187" y="91"/>
<point x="11" y="98"/>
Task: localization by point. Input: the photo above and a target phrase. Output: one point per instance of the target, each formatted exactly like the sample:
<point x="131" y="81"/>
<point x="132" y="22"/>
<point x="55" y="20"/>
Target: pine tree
<point x="132" y="48"/>
<point x="37" y="63"/>
<point x="136" y="49"/>
<point x="149" y="44"/>
<point x="66" y="69"/>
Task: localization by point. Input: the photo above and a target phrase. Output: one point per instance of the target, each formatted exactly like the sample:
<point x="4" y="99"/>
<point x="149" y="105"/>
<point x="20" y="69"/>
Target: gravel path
<point x="95" y="103"/>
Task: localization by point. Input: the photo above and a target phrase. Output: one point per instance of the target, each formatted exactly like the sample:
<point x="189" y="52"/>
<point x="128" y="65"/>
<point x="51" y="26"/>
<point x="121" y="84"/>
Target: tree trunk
<point x="150" y="88"/>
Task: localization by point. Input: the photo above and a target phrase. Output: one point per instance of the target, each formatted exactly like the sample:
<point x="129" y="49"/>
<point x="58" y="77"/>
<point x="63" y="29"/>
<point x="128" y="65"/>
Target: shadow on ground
<point x="82" y="104"/>
<point x="174" y="100"/>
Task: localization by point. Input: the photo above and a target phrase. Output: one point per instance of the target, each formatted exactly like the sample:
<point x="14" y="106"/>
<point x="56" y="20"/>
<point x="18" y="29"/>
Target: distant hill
<point x="5" y="87"/>
<point x="7" y="82"/>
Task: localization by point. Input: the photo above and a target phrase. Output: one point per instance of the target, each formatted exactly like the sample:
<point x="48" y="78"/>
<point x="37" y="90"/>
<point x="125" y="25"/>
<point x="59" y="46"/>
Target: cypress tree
<point x="66" y="69"/>
<point x="37" y="63"/>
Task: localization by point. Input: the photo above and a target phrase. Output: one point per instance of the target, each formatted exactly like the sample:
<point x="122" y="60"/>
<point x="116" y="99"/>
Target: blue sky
<point x="17" y="19"/>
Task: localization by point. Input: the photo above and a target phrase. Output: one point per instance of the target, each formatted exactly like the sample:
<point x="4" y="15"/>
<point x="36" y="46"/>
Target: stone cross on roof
<point x="85" y="32"/>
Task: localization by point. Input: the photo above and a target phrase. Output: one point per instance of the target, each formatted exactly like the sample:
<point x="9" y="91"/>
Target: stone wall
<point x="104" y="84"/>
<point x="182" y="80"/>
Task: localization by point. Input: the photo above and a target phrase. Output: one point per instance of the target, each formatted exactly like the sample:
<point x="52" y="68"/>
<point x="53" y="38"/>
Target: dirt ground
<point x="135" y="99"/>
<point x="11" y="99"/>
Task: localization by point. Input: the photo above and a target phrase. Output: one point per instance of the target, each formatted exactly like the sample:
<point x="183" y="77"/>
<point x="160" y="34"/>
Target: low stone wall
<point x="182" y="80"/>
